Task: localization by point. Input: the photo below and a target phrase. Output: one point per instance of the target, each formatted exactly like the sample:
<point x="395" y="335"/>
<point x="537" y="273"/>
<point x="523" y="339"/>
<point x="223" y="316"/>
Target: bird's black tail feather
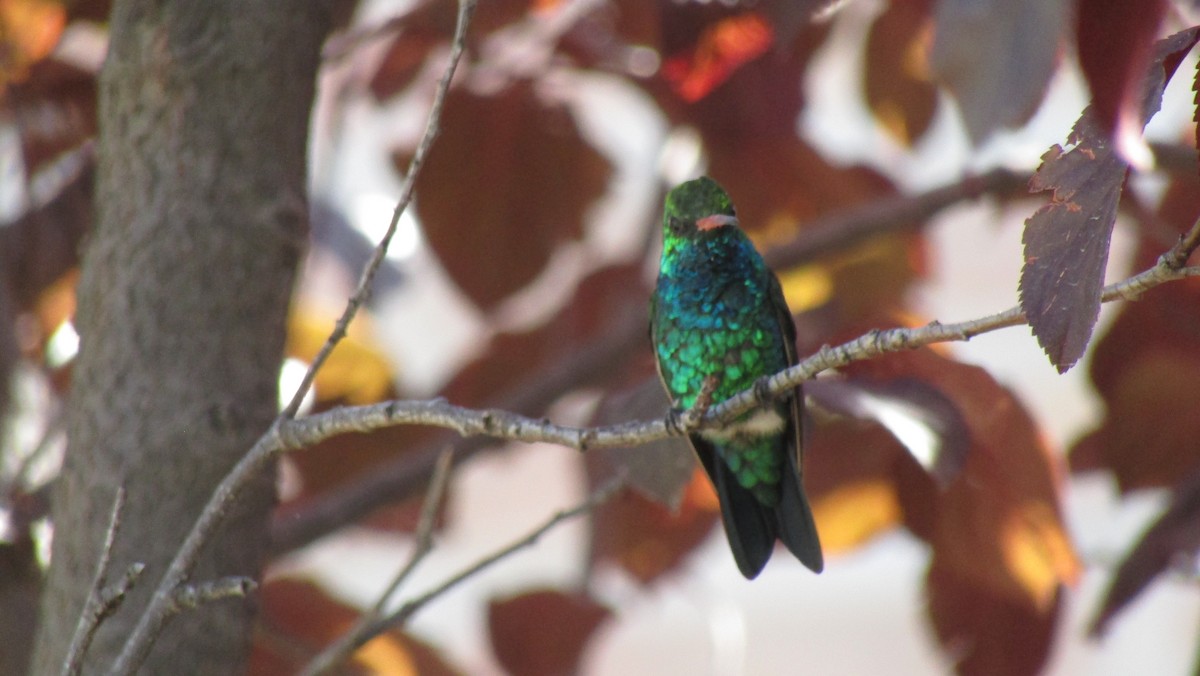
<point x="753" y="527"/>
<point x="795" y="521"/>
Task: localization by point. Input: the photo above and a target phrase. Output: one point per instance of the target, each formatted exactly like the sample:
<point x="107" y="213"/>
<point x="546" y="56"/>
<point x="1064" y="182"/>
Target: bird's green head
<point x="696" y="207"/>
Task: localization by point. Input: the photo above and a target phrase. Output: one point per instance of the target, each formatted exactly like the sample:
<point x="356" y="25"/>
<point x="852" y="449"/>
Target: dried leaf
<point x="509" y="180"/>
<point x="544" y="632"/>
<point x="1174" y="538"/>
<point x="1066" y="241"/>
<point x="661" y="469"/>
<point x="996" y="57"/>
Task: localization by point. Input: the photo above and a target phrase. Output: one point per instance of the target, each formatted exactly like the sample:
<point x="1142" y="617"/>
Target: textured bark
<point x="201" y="220"/>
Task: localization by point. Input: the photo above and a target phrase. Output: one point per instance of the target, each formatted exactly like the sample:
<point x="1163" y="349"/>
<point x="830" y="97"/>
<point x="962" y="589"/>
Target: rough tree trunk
<point x="201" y="206"/>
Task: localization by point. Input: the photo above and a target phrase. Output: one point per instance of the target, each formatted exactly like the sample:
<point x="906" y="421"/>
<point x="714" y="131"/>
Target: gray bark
<point x="201" y="221"/>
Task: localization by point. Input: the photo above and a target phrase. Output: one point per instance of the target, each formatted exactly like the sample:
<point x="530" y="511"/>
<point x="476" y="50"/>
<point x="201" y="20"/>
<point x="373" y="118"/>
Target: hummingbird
<point x="718" y="323"/>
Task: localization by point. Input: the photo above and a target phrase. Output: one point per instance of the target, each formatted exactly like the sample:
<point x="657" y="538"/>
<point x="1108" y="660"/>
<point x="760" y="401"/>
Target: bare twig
<point x="432" y="130"/>
<point x="340" y="650"/>
<point x="1177" y="257"/>
<point x="402" y="614"/>
<point x="102" y="600"/>
<point x="158" y="610"/>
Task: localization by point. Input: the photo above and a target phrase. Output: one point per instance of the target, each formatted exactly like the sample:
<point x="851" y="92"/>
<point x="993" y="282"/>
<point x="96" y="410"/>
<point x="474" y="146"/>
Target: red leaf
<point x="987" y="634"/>
<point x="1115" y="41"/>
<point x="1066" y="241"/>
<point x="543" y="633"/>
<point x="509" y="180"/>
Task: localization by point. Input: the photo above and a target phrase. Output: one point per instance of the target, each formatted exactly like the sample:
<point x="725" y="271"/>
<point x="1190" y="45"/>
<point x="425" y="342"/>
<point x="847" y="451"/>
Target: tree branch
<point x="297" y="434"/>
<point x="159" y="609"/>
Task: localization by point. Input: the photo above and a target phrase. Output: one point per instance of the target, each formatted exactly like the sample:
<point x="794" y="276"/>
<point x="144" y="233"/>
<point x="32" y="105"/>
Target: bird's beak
<point x="715" y="221"/>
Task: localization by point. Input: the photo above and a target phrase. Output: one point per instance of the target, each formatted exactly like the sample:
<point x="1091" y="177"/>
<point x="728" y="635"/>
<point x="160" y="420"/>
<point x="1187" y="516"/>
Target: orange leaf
<point x="722" y="48"/>
<point x="29" y="29"/>
<point x="356" y="372"/>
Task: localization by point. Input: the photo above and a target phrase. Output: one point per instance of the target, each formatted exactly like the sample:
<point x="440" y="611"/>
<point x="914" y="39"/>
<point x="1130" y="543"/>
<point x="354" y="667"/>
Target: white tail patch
<point x="760" y="423"/>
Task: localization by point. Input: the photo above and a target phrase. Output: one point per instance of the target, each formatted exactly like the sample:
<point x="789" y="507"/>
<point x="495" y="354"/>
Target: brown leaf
<point x="645" y="538"/>
<point x="850" y="470"/>
<point x="985" y="633"/>
<point x="544" y="632"/>
<point x="402" y="62"/>
<point x="298" y="619"/>
<point x="897" y="83"/>
<point x="1173" y="538"/>
<point x="1066" y="244"/>
<point x="1066" y="241"/>
<point x="996" y="57"/>
<point x="921" y="418"/>
<point x="509" y="180"/>
<point x="1115" y="42"/>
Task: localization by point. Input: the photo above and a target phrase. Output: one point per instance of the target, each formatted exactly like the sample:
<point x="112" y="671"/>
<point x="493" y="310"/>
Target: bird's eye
<point x="675" y="224"/>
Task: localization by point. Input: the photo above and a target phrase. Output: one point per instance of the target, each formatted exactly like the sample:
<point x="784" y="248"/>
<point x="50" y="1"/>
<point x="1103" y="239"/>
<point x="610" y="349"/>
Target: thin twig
<point x="340" y="650"/>
<point x="406" y="611"/>
<point x="158" y="610"/>
<point x="363" y="292"/>
<point x="1178" y="255"/>
<point x="101" y="602"/>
